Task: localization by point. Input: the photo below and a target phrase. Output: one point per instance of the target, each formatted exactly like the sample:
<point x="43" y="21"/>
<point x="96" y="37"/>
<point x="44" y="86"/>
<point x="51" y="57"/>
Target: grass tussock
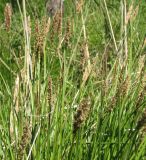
<point x="73" y="80"/>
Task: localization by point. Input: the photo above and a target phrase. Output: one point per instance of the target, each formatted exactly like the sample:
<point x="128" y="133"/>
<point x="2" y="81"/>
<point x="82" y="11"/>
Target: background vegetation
<point x="73" y="86"/>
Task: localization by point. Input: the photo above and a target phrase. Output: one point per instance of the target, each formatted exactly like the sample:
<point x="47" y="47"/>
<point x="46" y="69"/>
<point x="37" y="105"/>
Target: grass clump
<point x="72" y="85"/>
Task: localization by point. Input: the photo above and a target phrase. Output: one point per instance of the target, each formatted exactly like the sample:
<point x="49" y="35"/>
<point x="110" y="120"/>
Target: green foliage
<point x="43" y="84"/>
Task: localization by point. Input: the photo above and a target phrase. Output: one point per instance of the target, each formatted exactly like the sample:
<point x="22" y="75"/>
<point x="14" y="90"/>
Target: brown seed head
<point x="41" y="32"/>
<point x="26" y="136"/>
<point x="8" y="16"/>
<point x="81" y="115"/>
<point x="56" y="24"/>
<point x="124" y="86"/>
<point x="68" y="33"/>
<point x="140" y="98"/>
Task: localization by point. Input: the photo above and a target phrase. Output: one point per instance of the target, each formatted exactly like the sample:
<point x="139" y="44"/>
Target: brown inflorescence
<point x="25" y="139"/>
<point x="8" y="16"/>
<point x="140" y="98"/>
<point x="81" y="114"/>
<point x="56" y="24"/>
<point x="83" y="56"/>
<point x="85" y="60"/>
<point x="124" y="86"/>
<point x="122" y="90"/>
<point x="41" y="32"/>
<point x="68" y="33"/>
